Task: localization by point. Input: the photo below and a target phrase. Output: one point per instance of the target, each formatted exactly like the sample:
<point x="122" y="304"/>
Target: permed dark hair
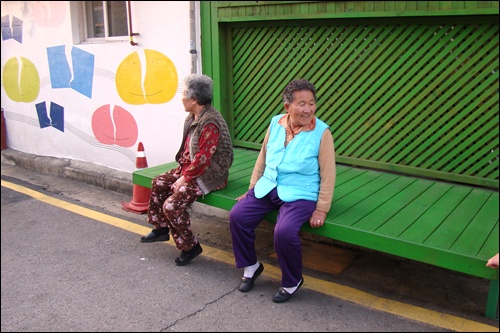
<point x="298" y="85"/>
<point x="199" y="87"/>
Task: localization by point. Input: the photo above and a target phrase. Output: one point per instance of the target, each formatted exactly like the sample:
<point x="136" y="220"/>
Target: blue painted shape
<point x="17" y="29"/>
<point x="6" y="30"/>
<point x="83" y="70"/>
<point x="57" y="116"/>
<point x="60" y="74"/>
<point x="43" y="119"/>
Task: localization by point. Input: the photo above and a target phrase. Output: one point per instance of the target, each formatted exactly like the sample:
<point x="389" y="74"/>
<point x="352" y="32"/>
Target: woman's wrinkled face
<point x="302" y="109"/>
<point x="187" y="102"/>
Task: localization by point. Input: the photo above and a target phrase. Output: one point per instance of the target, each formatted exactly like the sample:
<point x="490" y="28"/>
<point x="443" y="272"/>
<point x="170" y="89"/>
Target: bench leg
<point x="492" y="303"/>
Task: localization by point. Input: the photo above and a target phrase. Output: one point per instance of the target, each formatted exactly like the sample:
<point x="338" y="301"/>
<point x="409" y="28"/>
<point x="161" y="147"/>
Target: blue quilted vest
<point x="293" y="169"/>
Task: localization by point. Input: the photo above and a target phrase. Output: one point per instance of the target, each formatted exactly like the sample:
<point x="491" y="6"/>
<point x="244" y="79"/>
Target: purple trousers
<point x="246" y="215"/>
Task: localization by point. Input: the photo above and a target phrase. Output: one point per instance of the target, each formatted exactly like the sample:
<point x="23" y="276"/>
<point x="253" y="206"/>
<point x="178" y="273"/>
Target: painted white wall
<point x="163" y="27"/>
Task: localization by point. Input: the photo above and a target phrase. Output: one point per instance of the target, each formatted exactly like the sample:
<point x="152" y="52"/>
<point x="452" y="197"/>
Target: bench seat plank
<point x="491" y="242"/>
<point x="460" y="217"/>
<point x="351" y="181"/>
<point x="430" y="220"/>
<point x="380" y="216"/>
<point x="477" y="232"/>
<point x="359" y="197"/>
<point x="401" y="221"/>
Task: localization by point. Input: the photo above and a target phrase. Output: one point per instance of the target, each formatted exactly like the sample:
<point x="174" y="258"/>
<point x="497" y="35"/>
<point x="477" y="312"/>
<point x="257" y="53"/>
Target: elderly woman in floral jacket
<point x="204" y="159"/>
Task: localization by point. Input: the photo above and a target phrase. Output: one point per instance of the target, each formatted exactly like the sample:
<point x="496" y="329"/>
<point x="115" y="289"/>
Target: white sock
<point x="250" y="270"/>
<point x="291" y="290"/>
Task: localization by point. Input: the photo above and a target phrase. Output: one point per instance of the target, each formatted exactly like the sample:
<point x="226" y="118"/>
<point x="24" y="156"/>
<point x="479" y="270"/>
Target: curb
<point x="100" y="176"/>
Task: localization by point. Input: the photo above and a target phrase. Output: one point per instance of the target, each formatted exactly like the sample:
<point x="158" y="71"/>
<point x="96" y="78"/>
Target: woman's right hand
<point x="241" y="196"/>
<point x="493" y="262"/>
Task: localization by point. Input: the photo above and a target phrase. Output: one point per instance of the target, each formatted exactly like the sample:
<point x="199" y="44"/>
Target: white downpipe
<point x="192" y="31"/>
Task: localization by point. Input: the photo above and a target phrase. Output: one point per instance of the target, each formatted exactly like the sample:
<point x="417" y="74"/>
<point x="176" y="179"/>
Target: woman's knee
<point x="233" y="218"/>
<point x="170" y="208"/>
<point x="286" y="235"/>
<point x="154" y="183"/>
<point x="235" y="212"/>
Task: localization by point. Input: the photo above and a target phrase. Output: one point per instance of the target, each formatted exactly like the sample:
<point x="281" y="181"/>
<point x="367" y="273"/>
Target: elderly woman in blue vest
<point x="204" y="158"/>
<point x="294" y="174"/>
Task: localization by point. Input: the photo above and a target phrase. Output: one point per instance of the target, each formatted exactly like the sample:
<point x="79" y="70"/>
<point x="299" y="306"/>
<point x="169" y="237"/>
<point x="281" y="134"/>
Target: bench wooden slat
<point x="240" y="190"/>
<point x="244" y="159"/>
<point x="425" y="225"/>
<point x="490" y="243"/>
<point x="242" y="171"/>
<point x="362" y="188"/>
<point x="346" y="174"/>
<point x="400" y="222"/>
<point x="461" y="215"/>
<point x="348" y="191"/>
<point x="476" y="234"/>
<point x="380" y="193"/>
<point x="380" y="216"/>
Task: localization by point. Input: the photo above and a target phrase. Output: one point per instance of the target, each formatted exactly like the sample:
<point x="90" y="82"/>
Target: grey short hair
<point x="298" y="85"/>
<point x="199" y="87"/>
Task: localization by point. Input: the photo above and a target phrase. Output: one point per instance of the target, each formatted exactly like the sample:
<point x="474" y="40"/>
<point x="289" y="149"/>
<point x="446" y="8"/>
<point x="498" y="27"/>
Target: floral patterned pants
<point x="168" y="208"/>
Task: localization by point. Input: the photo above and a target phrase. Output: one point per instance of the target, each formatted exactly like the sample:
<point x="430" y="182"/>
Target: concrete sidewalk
<point x="369" y="271"/>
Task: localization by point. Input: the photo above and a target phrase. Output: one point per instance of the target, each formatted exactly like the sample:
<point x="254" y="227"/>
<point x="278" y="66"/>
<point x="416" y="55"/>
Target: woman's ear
<point x="286" y="106"/>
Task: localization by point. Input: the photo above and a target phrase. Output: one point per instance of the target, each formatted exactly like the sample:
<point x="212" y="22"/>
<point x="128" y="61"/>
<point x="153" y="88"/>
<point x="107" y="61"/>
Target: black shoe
<point x="282" y="295"/>
<point x="186" y="256"/>
<point x="247" y="283"/>
<point x="153" y="237"/>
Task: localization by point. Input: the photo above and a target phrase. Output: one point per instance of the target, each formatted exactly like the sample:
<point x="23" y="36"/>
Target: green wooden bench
<point x="413" y="98"/>
<point x="444" y="224"/>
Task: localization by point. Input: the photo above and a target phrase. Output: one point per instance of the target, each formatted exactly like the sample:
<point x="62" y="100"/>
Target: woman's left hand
<point x="317" y="219"/>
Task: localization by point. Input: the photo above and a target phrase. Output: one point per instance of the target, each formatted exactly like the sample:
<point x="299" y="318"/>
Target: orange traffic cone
<point x="140" y="197"/>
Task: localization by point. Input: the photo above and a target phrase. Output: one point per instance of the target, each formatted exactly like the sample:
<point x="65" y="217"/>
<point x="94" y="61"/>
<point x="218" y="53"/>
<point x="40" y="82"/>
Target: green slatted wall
<point x="406" y="86"/>
<point x="415" y="98"/>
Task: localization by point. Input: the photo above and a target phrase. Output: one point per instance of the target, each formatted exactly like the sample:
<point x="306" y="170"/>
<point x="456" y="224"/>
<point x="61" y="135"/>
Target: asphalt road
<point x="71" y="260"/>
